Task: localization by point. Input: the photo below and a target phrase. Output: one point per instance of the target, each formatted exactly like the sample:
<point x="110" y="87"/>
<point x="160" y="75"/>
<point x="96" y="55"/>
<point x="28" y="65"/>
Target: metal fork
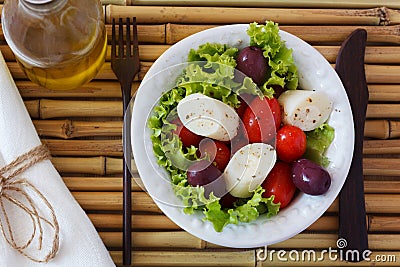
<point x="125" y="64"/>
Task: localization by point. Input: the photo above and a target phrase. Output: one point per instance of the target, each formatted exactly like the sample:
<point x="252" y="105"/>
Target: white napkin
<point x="80" y="244"/>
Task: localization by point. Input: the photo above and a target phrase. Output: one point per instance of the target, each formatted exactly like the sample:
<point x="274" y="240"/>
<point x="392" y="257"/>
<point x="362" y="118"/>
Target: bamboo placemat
<point x="83" y="128"/>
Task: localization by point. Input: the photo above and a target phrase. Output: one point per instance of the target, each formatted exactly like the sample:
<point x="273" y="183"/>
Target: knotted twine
<point x="10" y="187"/>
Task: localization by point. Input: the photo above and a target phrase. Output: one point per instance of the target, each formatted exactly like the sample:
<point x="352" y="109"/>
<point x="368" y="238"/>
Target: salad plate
<point x="314" y="72"/>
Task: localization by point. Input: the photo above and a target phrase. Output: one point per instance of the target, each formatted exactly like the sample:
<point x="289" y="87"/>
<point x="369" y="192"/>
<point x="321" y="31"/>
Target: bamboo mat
<point x="83" y="128"/>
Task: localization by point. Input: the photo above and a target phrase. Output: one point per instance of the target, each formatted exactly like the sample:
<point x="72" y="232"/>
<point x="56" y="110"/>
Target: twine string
<point x="12" y="186"/>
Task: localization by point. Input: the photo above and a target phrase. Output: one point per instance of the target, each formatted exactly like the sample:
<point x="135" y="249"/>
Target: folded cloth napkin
<point x="78" y="242"/>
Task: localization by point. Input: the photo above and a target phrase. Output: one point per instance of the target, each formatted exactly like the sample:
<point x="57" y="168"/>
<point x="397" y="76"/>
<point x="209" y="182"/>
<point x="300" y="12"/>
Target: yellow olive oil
<point x="70" y="75"/>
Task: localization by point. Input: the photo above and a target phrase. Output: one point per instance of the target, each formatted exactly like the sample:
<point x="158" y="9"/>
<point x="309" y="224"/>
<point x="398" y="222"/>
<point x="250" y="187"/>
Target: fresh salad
<point x="239" y="146"/>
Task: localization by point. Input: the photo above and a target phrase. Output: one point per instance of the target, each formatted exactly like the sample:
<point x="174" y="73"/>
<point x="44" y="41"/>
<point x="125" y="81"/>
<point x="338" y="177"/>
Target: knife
<point x="353" y="235"/>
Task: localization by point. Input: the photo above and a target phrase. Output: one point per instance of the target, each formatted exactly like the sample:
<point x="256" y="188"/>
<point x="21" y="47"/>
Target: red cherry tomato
<point x="240" y="140"/>
<point x="187" y="137"/>
<point x="260" y="119"/>
<point x="245" y="100"/>
<point x="218" y="152"/>
<point x="276" y="111"/>
<point x="279" y="183"/>
<point x="291" y="143"/>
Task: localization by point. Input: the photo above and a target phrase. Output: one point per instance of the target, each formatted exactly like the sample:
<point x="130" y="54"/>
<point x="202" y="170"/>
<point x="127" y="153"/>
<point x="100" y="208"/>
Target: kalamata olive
<point x="310" y="178"/>
<point x="205" y="173"/>
<point x="227" y="201"/>
<point x="252" y="62"/>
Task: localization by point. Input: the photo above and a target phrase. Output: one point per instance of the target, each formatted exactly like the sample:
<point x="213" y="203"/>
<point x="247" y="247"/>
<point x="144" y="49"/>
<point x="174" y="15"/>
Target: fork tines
<point x="121" y="44"/>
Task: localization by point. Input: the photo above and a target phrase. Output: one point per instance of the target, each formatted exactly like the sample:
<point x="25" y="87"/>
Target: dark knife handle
<point x="353" y="235"/>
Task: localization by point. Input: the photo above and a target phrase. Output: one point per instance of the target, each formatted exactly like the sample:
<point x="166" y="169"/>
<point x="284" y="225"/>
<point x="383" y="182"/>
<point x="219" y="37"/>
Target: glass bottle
<point x="59" y="44"/>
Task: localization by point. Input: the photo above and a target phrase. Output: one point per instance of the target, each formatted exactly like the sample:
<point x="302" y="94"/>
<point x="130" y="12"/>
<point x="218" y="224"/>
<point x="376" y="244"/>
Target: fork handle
<point x="127" y="182"/>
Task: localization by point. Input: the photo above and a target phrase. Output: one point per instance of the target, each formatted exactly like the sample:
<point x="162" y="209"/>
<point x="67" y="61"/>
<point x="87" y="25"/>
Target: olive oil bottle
<point x="59" y="44"/>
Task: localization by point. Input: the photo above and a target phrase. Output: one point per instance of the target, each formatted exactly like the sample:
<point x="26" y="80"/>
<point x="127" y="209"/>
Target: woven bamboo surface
<point x="83" y="129"/>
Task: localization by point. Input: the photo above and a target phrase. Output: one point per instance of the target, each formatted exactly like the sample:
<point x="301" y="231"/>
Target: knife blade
<point x="353" y="235"/>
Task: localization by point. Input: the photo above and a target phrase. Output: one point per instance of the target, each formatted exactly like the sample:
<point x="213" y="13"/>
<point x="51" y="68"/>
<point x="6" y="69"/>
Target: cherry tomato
<point x="218" y="152"/>
<point x="187" y="137"/>
<point x="279" y="183"/>
<point x="260" y="119"/>
<point x="276" y="111"/>
<point x="291" y="143"/>
<point x="245" y="100"/>
<point x="240" y="140"/>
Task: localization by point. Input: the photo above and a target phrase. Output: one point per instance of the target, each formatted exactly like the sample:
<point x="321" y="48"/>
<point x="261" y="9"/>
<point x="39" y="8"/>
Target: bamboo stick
<point x="381" y="147"/>
<point x="379" y="223"/>
<point x="312" y="34"/>
<point x="99" y="184"/>
<point x="382" y="187"/>
<point x="382" y="73"/>
<point x="148" y="52"/>
<point x="116" y="2"/>
<point x="90" y="165"/>
<point x="68" y="129"/>
<point x="378" y="203"/>
<point x="325" y="223"/>
<point x="196" y="258"/>
<point x="142" y="222"/>
<point x="32" y="107"/>
<point x="105" y="72"/>
<point x="227" y="15"/>
<point x="271" y="3"/>
<point x="382" y="129"/>
<point x="173" y="239"/>
<point x="71" y="108"/>
<point x="382" y="166"/>
<point x="84" y="147"/>
<point x="377" y="129"/>
<point x="94" y="89"/>
<point x="112" y="201"/>
<point x="146" y="33"/>
<point x="383" y="110"/>
<point x="384" y="92"/>
<point x="373" y="54"/>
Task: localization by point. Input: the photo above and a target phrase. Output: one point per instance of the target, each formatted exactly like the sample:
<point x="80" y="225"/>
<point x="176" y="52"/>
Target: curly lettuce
<point x="283" y="71"/>
<point x="318" y="141"/>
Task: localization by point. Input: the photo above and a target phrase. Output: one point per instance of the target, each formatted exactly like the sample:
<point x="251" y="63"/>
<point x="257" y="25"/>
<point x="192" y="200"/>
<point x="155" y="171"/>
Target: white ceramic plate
<point x="314" y="73"/>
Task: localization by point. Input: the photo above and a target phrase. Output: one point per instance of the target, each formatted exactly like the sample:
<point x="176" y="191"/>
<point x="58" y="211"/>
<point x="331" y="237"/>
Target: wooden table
<point x="83" y="128"/>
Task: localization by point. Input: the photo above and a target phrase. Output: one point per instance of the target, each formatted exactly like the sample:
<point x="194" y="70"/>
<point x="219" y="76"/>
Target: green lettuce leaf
<point x="283" y="71"/>
<point x="318" y="141"/>
<point x="244" y="211"/>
